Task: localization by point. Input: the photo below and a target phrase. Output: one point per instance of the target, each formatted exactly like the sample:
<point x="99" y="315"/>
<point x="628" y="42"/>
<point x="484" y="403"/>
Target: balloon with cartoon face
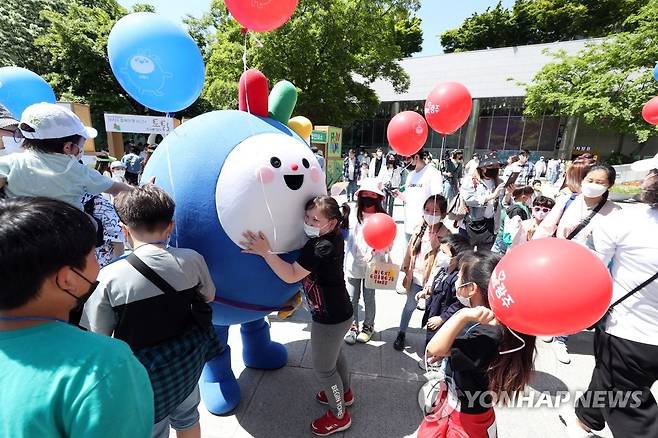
<point x="231" y="172"/>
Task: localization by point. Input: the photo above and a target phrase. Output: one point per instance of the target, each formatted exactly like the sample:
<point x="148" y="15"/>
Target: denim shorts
<point x="185" y="416"/>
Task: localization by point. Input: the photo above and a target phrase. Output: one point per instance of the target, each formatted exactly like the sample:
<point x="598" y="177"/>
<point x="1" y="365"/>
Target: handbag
<point x="457" y="209"/>
<point x="600" y="324"/>
<point x="382" y="275"/>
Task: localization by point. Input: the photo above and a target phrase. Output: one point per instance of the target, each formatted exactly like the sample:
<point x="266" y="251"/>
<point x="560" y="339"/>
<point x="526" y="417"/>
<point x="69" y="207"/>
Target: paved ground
<point x="385" y="383"/>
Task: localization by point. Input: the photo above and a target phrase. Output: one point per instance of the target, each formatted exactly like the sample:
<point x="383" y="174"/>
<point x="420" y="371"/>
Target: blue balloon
<point x="655" y="72"/>
<point x="20" y="88"/>
<point x="156" y="62"/>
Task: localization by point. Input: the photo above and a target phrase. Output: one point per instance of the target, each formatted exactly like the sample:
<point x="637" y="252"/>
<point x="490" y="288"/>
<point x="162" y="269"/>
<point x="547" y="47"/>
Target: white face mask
<point x="593" y="190"/>
<point x="466" y="301"/>
<point x="431" y="219"/>
<point x="442" y="260"/>
<point x="119" y="173"/>
<point x="312" y="231"/>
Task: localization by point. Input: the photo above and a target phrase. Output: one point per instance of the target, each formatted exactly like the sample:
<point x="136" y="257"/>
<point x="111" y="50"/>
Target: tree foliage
<point x="606" y="84"/>
<point x="331" y="50"/>
<point x="539" y="21"/>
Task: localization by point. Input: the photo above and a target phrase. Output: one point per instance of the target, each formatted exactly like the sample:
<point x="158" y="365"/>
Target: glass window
<point x="379" y="133"/>
<point x="549" y="133"/>
<point x="514" y="133"/>
<point x="358" y="134"/>
<point x="482" y="133"/>
<point x="531" y="134"/>
<point x="497" y="137"/>
<point x="367" y="133"/>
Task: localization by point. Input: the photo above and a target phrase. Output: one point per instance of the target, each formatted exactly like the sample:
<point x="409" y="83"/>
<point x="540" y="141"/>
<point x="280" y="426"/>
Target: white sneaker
<point x="573" y="424"/>
<point x="350" y="337"/>
<point x="561" y="352"/>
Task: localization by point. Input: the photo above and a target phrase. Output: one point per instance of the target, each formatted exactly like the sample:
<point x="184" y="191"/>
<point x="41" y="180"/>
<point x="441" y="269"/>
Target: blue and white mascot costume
<point x="229" y="172"/>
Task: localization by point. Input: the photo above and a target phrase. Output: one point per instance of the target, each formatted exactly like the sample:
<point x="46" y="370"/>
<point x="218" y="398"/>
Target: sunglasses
<point x="542" y="209"/>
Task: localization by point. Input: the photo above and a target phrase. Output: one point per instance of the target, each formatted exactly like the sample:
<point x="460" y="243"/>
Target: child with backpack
<point x="156" y="301"/>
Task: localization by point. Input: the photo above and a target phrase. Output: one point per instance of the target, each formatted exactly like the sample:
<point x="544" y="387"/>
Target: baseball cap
<point x="48" y="120"/>
<point x="117" y="164"/>
<point x="6" y="119"/>
<point x="489" y="160"/>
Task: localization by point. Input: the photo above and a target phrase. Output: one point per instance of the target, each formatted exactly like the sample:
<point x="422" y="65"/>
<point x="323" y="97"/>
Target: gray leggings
<point x="354" y="287"/>
<point x="329" y="362"/>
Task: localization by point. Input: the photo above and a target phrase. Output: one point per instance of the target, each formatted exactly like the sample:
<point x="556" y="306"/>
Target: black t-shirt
<point x="471" y="355"/>
<point x="325" y="289"/>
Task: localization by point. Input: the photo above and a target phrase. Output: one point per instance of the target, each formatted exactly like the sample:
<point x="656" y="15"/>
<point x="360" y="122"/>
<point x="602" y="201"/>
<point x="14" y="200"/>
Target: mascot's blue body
<point x="229" y="172"/>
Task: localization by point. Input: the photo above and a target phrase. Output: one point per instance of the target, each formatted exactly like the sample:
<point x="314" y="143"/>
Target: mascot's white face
<point x="264" y="185"/>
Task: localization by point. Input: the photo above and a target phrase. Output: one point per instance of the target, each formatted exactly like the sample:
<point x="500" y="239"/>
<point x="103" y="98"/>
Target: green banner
<point x="319" y="137"/>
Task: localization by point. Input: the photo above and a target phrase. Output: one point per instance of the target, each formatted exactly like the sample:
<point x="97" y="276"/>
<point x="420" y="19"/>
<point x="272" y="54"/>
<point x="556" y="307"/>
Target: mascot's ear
<point x="283" y="99"/>
<point x="253" y="93"/>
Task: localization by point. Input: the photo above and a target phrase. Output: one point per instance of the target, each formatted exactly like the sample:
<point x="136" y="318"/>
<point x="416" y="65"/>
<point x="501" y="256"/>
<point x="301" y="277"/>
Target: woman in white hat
<point x="118" y="170"/>
<point x="370" y="199"/>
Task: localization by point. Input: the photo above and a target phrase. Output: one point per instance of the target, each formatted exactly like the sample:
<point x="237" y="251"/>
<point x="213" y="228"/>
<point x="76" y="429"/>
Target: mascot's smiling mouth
<point x="294" y="182"/>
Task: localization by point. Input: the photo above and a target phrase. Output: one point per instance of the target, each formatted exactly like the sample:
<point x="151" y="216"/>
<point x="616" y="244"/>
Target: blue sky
<point x="437" y="15"/>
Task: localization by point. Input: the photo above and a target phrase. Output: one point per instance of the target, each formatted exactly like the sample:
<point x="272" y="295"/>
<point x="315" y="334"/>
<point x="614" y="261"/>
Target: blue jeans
<point x="184" y="416"/>
<point x="352" y="187"/>
<point x="449" y="190"/>
<point x="409" y="307"/>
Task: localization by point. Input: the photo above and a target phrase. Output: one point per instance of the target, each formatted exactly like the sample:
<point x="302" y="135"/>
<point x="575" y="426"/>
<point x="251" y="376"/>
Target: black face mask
<point x="76" y="312"/>
<point x="368" y="202"/>
<point x="491" y="173"/>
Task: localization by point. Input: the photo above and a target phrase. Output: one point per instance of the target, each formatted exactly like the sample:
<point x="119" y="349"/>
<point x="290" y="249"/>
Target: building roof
<point x="485" y="73"/>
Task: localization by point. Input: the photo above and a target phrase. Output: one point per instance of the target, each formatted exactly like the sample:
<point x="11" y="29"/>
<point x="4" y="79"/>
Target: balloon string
<point x="253" y="130"/>
<point x="514" y="350"/>
<point x="171" y="174"/>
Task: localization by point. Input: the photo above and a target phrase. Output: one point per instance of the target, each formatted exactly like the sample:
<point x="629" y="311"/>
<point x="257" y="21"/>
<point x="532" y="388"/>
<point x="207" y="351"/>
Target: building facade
<point x="496" y="79"/>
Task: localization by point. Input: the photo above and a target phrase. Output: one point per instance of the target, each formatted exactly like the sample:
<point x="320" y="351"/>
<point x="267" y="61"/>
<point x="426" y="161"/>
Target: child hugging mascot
<point x="229" y="172"/>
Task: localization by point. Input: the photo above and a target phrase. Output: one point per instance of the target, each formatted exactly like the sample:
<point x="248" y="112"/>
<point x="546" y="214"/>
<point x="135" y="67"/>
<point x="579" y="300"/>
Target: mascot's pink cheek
<point x="316" y="174"/>
<point x="265" y="174"/>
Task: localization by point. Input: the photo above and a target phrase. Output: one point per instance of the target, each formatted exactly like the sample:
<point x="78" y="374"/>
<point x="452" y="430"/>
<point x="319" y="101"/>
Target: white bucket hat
<point x="117" y="164"/>
<point x="371" y="185"/>
<point x="645" y="165"/>
<point x="48" y="120"/>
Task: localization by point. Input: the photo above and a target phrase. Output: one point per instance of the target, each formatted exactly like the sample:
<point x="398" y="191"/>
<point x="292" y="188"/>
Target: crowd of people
<point x="118" y="351"/>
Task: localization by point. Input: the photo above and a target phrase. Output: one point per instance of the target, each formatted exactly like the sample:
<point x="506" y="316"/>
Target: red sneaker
<point x="328" y="424"/>
<point x="321" y="397"/>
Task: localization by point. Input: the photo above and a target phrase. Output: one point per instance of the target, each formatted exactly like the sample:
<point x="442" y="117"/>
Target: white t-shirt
<point x="419" y="186"/>
<point x="629" y="238"/>
<point x="56" y="176"/>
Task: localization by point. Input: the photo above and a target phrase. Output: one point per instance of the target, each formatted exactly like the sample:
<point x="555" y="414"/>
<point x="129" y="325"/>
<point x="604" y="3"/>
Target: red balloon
<point x="550" y="287"/>
<point x="407" y="133"/>
<point x="253" y="93"/>
<point x="448" y="107"/>
<point x="650" y="111"/>
<point x="261" y="15"/>
<point x="379" y="231"/>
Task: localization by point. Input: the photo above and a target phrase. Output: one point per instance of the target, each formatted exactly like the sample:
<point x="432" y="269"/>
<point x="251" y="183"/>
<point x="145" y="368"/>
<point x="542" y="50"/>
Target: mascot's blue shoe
<point x="219" y="388"/>
<point x="258" y="350"/>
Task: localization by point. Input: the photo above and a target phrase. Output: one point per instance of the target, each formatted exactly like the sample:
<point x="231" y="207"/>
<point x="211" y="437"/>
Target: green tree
<point x="21" y="23"/>
<point x="331" y="50"/>
<point x="606" y="84"/>
<point x="539" y="21"/>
